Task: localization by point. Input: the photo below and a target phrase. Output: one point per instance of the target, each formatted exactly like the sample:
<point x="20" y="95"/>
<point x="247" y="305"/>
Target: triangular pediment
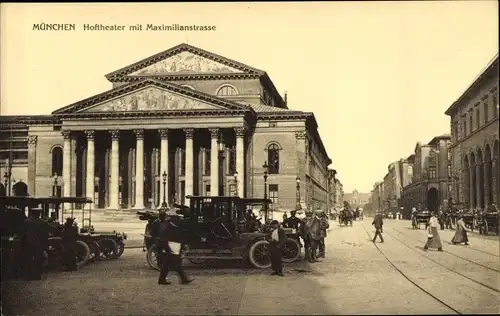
<point x="185" y="62"/>
<point x="151" y="98"/>
<point x="150" y="95"/>
<point x="184" y="59"/>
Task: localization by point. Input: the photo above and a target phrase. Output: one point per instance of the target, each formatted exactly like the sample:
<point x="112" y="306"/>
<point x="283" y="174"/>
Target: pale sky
<point x="378" y="76"/>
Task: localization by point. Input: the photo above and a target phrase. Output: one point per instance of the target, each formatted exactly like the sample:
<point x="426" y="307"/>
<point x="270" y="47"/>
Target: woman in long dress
<point x="460" y="233"/>
<point x="433" y="239"/>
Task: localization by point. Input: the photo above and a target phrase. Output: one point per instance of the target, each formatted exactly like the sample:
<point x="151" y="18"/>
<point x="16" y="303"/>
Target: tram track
<point x="445" y="267"/>
<point x="408" y="278"/>
<point x="454" y="254"/>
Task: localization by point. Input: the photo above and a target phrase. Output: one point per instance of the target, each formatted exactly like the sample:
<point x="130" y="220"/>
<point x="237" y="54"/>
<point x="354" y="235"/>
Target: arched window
<point x="227" y="90"/>
<point x="273" y="158"/>
<point x="57" y="161"/>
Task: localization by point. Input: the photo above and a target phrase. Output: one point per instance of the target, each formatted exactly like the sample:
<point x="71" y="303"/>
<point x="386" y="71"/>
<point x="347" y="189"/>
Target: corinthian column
<point x="115" y="170"/>
<point x="164" y="163"/>
<point x="139" y="169"/>
<point x="90" y="165"/>
<point x="214" y="162"/>
<point x="189" y="132"/>
<point x="66" y="172"/>
<point x="240" y="159"/>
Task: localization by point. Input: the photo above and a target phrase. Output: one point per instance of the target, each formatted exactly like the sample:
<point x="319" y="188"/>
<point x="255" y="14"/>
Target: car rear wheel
<point x="82" y="253"/>
<point x="259" y="255"/>
<point x="109" y="248"/>
<point x="291" y="250"/>
<point x="152" y="257"/>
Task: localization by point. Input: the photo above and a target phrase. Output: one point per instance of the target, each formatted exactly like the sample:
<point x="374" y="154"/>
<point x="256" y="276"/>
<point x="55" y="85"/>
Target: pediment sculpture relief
<point x="186" y="62"/>
<point x="152" y="99"/>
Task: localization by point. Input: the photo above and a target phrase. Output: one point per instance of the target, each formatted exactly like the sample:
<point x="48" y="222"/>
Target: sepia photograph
<point x="250" y="158"/>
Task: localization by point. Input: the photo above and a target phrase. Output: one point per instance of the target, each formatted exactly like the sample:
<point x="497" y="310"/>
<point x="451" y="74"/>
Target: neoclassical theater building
<point x="205" y="123"/>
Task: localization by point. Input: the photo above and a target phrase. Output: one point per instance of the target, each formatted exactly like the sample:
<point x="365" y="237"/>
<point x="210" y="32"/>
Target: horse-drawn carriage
<point x="212" y="231"/>
<point x="421" y="217"/>
<point x="346" y="217"/>
<point x="488" y="222"/>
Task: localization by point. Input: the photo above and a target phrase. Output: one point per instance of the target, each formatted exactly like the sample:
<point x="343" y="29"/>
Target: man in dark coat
<point x="310" y="231"/>
<point x="155" y="227"/>
<point x="378" y="222"/>
<point x="36" y="239"/>
<point x="276" y="243"/>
<point x="69" y="239"/>
<point x="292" y="221"/>
<point x="324" y="226"/>
<point x="170" y="246"/>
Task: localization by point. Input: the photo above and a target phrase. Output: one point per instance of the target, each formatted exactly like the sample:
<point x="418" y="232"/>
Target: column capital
<point x="115" y="134"/>
<point x="163" y="133"/>
<point x="90" y="134"/>
<point x="240" y="131"/>
<point x="66" y="134"/>
<point x="214" y="132"/>
<point x="189" y="132"/>
<point x="139" y="133"/>
<point x="32" y="139"/>
<point x="300" y="135"/>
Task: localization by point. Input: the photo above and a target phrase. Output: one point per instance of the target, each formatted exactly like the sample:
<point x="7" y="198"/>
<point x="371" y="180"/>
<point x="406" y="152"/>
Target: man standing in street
<point x="324" y="226"/>
<point x="277" y="241"/>
<point x="378" y="222"/>
<point x="36" y="239"/>
<point x="69" y="239"/>
<point x="170" y="246"/>
<point x="311" y="233"/>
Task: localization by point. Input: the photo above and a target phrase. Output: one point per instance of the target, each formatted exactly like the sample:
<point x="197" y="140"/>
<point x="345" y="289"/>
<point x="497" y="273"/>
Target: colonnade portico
<point x="119" y="169"/>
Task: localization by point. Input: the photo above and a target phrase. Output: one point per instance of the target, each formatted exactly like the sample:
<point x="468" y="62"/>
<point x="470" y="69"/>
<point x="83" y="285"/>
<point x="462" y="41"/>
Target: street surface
<point x="357" y="277"/>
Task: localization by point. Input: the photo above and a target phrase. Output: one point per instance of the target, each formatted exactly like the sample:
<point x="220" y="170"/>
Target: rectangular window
<point x="207" y="189"/>
<point x="485" y="110"/>
<point x="478" y="118"/>
<point x="274" y="195"/>
<point x="449" y="171"/>
<point x="494" y="101"/>
<point x="465" y="128"/>
<point x="432" y="172"/>
<point x="207" y="162"/>
<point x="182" y="165"/>
<point x="471" y="123"/>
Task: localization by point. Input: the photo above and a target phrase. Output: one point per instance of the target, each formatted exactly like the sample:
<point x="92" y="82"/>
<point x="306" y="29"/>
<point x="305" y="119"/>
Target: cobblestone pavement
<point x="355" y="278"/>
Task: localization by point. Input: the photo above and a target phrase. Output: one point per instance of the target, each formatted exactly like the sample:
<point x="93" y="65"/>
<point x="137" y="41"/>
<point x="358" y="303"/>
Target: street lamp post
<point x="164" y="203"/>
<point x="298" y="206"/>
<point x="54" y="187"/>
<point x="236" y="183"/>
<point x="266" y="167"/>
<point x="220" y="147"/>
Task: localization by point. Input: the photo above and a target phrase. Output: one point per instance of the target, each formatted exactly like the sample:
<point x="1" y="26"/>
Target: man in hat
<point x="292" y="221"/>
<point x="378" y="222"/>
<point x="311" y="233"/>
<point x="324" y="226"/>
<point x="276" y="243"/>
<point x="170" y="246"/>
<point x="69" y="239"/>
<point x="36" y="239"/>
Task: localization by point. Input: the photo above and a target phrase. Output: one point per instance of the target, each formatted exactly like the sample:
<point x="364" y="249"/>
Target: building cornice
<point x="185" y="77"/>
<point x="487" y="73"/>
<point x="152" y="114"/>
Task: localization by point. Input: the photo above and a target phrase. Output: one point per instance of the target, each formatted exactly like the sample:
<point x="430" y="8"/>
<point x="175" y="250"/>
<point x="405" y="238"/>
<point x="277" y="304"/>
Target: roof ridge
<point x="145" y="62"/>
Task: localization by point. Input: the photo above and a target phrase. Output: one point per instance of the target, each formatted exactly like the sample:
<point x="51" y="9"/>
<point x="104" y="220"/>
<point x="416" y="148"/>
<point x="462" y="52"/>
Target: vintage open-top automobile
<point x="212" y="229"/>
<point x="422" y="217"/>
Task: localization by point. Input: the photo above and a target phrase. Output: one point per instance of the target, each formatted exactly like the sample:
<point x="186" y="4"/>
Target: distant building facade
<point x="430" y="185"/>
<point x="377" y="196"/>
<point x="475" y="174"/>
<point x="339" y="194"/>
<point x="356" y="198"/>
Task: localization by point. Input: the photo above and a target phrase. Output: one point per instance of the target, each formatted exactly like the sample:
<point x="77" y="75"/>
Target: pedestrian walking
<point x="433" y="239"/>
<point x="35" y="242"/>
<point x="275" y="245"/>
<point x="170" y="248"/>
<point x="460" y="233"/>
<point x="378" y="222"/>
<point x="69" y="239"/>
